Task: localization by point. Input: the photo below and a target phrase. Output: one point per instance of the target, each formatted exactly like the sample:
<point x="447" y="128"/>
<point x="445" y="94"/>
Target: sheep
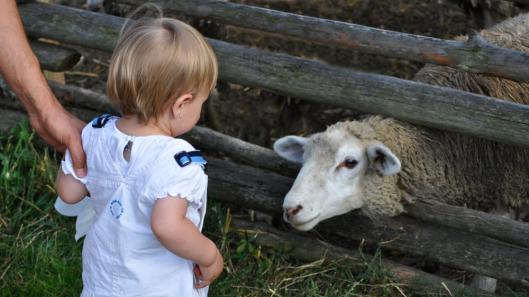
<point x="486" y="13"/>
<point x="357" y="164"/>
<point x="377" y="164"/>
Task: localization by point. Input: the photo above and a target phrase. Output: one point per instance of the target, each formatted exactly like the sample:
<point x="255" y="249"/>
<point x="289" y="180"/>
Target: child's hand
<point x="207" y="274"/>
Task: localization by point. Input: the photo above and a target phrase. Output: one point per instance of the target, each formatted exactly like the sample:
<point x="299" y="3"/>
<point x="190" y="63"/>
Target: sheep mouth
<point x="305" y="225"/>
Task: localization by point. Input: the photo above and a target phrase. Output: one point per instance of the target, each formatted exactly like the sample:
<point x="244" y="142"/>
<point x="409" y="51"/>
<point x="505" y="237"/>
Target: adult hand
<point x="62" y="130"/>
<point x="20" y="68"/>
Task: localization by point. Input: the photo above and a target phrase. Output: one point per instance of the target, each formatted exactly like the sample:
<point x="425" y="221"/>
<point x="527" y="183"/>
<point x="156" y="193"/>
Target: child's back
<point x="121" y="255"/>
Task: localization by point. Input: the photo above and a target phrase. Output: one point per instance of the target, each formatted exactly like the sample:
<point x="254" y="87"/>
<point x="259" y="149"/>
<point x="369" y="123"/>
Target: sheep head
<point x="337" y="167"/>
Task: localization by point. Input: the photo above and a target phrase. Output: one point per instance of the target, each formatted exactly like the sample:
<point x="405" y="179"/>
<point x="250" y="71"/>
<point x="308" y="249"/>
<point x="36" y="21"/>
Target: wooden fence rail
<point x="476" y="55"/>
<point x="310" y="249"/>
<point x="53" y="57"/>
<point x="242" y="151"/>
<point x="423" y="104"/>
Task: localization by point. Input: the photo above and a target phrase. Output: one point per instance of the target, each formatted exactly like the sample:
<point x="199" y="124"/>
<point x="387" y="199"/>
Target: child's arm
<point x="182" y="237"/>
<point x="69" y="189"/>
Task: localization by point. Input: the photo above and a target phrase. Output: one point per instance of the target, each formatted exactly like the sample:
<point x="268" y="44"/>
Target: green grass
<point x="39" y="257"/>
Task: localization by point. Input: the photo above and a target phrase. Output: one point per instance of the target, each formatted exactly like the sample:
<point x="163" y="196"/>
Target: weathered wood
<point x="472" y="221"/>
<point x="13" y="113"/>
<point x="252" y="188"/>
<point x="246" y="186"/>
<point x="68" y="95"/>
<point x="257" y="156"/>
<point x="71" y="25"/>
<point x="82" y="98"/>
<point x="54" y="57"/>
<point x="518" y="1"/>
<point x="422" y="104"/>
<point x="310" y="249"/>
<point x="10" y="118"/>
<point x="471" y="252"/>
<point x="137" y="3"/>
<point x="472" y="56"/>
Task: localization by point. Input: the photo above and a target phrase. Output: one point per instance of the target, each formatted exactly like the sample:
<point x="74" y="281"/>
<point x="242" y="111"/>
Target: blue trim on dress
<point x="101" y="120"/>
<point x="184" y="158"/>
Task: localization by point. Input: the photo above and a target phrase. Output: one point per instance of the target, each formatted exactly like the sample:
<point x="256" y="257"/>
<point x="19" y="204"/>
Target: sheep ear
<point x="291" y="147"/>
<point x="382" y="159"/>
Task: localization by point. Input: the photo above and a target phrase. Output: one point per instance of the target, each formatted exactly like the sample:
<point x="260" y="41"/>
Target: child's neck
<point x="130" y="125"/>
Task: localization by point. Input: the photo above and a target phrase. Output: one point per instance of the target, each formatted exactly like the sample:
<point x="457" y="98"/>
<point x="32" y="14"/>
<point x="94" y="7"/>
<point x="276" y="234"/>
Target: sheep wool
<point x="450" y="167"/>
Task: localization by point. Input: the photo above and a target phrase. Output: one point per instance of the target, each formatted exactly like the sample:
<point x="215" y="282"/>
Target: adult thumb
<point x="78" y="157"/>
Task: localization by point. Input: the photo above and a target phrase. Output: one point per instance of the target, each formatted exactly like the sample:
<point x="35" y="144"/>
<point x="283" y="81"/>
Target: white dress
<point x="121" y="255"/>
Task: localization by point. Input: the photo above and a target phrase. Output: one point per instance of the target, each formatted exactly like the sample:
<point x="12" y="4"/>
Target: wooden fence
<point x="476" y="55"/>
<point x="419" y="103"/>
<point x="454" y="236"/>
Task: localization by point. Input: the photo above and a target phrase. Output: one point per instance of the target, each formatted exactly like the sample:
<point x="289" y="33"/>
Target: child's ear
<point x="180" y="102"/>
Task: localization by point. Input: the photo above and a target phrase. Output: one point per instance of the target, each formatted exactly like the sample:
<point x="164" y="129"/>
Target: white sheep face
<point x="331" y="179"/>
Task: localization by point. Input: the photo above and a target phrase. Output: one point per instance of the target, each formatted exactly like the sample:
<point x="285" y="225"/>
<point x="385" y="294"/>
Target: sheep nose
<point x="292" y="211"/>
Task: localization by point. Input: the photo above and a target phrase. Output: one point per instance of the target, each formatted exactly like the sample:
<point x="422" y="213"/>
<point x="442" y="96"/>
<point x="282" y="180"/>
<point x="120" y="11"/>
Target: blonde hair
<point x="156" y="61"/>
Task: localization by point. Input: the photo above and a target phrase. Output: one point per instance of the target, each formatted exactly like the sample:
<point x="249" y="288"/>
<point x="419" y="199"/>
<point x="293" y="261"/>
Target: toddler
<point x="148" y="189"/>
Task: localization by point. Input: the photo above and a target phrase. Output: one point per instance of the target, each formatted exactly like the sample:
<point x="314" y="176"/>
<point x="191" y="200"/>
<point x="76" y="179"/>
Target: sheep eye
<point x="350" y="163"/>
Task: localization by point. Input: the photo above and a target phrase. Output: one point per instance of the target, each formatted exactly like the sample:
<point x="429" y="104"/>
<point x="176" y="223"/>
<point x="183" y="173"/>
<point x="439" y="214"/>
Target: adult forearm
<point x="19" y="65"/>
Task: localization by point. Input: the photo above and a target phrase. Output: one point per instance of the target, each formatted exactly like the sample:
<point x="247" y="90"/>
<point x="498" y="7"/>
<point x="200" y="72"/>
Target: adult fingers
<point x="78" y="156"/>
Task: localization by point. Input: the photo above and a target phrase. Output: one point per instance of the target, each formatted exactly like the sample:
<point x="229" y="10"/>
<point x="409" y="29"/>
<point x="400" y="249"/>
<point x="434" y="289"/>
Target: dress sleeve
<point x="189" y="182"/>
<point x="67" y="167"/>
<point x="67" y="163"/>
